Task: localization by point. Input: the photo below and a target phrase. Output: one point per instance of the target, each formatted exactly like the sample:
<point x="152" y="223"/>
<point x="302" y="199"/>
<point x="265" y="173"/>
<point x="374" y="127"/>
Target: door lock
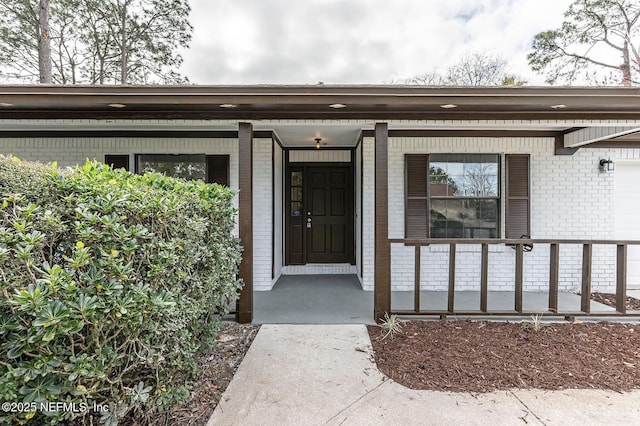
<point x="308" y="223"/>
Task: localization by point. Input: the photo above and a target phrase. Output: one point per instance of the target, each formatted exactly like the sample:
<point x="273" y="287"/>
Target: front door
<point x="320" y="214"/>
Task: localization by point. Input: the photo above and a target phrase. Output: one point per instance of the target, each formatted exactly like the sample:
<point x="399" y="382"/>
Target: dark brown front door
<point x="320" y="228"/>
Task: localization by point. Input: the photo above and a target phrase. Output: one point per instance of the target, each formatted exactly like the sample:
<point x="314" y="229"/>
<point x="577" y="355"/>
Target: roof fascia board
<point x="591" y="135"/>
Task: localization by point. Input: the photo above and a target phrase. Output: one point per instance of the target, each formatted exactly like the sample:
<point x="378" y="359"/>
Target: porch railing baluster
<point x="452" y="277"/>
<point x="518" y="278"/>
<point x="587" y="255"/>
<point x="416" y="285"/>
<point x="621" y="278"/>
<point x="554" y="270"/>
<point x="484" y="277"/>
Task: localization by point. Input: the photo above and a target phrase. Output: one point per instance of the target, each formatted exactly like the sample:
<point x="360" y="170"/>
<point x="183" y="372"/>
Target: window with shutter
<point x="452" y="196"/>
<point x="218" y="169"/>
<point x="518" y="203"/>
<point x="117" y="161"/>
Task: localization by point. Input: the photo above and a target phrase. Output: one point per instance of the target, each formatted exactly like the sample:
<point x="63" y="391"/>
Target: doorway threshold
<point x="320" y="269"/>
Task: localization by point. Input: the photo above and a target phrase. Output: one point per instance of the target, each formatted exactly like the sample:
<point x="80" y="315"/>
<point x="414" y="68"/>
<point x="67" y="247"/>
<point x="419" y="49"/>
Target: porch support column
<point x="244" y="312"/>
<point x="382" y="251"/>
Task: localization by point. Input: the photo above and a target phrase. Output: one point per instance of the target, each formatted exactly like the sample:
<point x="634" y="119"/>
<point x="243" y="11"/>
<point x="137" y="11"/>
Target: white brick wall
<point x="368" y="213"/>
<point x="358" y="206"/>
<point x="278" y="188"/>
<point x="262" y="214"/>
<point x="570" y="198"/>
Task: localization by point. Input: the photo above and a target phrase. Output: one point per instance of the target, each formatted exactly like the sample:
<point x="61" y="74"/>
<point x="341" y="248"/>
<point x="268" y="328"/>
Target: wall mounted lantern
<point x="606" y="165"/>
<point x="318" y="143"/>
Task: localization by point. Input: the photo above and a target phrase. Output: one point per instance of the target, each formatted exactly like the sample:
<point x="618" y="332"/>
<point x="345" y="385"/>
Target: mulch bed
<point x="483" y="356"/>
<point x="609" y="299"/>
<point x="216" y="369"/>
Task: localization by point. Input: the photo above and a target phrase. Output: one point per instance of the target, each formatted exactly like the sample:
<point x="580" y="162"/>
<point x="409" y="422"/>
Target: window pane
<point x="296" y="178"/>
<point x="441" y="184"/>
<point x="296" y="209"/>
<point x="438" y="216"/>
<point x="464" y="218"/>
<point x="464" y="175"/>
<point x="185" y="166"/>
<point x="296" y="194"/>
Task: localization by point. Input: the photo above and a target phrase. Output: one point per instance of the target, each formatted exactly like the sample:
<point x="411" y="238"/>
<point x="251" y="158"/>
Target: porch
<point x="339" y="299"/>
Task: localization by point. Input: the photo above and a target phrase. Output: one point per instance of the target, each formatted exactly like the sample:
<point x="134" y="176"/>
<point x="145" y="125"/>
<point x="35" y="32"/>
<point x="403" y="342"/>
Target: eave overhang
<point x="315" y="102"/>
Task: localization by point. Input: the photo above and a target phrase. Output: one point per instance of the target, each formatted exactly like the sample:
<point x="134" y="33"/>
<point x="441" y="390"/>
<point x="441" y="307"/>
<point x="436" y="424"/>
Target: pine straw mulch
<point x="216" y="369"/>
<point x="483" y="356"/>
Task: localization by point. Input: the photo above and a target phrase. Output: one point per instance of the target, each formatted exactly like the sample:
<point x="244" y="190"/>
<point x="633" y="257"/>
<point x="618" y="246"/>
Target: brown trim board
<point x="220" y="134"/>
<point x="382" y="250"/>
<point x="415" y="133"/>
<point x="244" y="312"/>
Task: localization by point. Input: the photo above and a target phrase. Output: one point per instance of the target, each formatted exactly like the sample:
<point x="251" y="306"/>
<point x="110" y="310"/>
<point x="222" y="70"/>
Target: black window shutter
<point x="518" y="200"/>
<point x="117" y="161"/>
<point x="218" y="169"/>
<point x="416" y="206"/>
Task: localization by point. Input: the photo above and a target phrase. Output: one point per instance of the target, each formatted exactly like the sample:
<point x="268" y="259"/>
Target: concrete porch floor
<point x="339" y="299"/>
<point x="314" y="299"/>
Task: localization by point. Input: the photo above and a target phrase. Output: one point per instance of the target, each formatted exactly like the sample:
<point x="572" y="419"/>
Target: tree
<point x="477" y="69"/>
<point x="25" y="42"/>
<point x="473" y="69"/>
<point x="98" y="41"/>
<point x="598" y="41"/>
<point x="44" y="43"/>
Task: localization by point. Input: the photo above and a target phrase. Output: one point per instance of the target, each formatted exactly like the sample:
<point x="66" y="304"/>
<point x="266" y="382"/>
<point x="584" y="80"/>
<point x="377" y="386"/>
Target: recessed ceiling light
<point x="228" y="105"/>
<point x="117" y="105"/>
<point x="5" y="105"/>
<point x="337" y="106"/>
<point x="449" y="106"/>
<point x="559" y="106"/>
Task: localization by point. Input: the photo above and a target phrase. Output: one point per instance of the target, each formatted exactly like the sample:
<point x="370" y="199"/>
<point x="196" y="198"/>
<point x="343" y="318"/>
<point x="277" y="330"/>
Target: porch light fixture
<point x="606" y="165"/>
<point x="117" y="105"/>
<point x="449" y="106"/>
<point x="318" y="143"/>
<point x="337" y="106"/>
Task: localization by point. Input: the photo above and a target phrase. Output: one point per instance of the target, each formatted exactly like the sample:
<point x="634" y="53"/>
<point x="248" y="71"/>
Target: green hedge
<point x="110" y="284"/>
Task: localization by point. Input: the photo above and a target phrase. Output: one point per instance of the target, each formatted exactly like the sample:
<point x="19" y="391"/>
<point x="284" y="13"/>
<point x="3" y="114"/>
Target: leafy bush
<point x="110" y="284"/>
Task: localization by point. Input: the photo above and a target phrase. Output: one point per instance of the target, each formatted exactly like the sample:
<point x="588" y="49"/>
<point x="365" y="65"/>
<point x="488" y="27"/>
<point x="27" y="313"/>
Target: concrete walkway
<point x="325" y="375"/>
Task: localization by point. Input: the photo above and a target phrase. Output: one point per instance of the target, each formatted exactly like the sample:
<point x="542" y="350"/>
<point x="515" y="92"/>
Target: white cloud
<point x="356" y="41"/>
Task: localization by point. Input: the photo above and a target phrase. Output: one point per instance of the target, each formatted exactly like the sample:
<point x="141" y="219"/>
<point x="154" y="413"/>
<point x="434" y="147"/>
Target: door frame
<point x="351" y="208"/>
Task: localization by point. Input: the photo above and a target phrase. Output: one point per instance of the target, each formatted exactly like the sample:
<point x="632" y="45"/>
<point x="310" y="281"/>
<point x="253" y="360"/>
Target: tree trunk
<point x="123" y="40"/>
<point x="44" y="44"/>
<point x="626" y="66"/>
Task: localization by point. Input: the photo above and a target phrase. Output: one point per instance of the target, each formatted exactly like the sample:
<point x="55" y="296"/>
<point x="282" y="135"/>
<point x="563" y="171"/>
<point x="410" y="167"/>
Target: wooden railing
<point x="520" y="246"/>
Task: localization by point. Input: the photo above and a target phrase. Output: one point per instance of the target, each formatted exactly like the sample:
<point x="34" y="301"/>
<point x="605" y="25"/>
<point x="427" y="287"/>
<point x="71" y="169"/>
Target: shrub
<point x="111" y="283"/>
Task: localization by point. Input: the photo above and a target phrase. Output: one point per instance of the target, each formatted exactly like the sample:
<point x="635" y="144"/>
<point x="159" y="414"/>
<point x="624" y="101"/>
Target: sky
<point x="357" y="41"/>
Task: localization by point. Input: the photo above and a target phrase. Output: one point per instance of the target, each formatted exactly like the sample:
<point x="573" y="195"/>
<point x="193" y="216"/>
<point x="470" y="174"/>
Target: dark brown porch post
<point x="382" y="252"/>
<point x="244" y="312"/>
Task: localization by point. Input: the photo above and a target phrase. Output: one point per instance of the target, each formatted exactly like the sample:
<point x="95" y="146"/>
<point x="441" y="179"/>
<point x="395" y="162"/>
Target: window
<point x="208" y="168"/>
<point x="458" y="196"/>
